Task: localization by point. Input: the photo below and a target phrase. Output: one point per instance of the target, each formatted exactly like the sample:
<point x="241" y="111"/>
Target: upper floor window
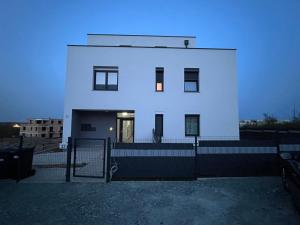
<point x="159" y="79"/>
<point x="106" y="78"/>
<point x="191" y="80"/>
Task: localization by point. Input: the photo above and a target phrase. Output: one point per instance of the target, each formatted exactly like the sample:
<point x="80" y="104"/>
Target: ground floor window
<point x="192" y="125"/>
<point x="159" y="125"/>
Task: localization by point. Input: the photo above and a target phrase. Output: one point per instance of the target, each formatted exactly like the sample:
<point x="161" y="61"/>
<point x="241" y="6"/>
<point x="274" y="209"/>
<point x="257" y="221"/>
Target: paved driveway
<point x="212" y="201"/>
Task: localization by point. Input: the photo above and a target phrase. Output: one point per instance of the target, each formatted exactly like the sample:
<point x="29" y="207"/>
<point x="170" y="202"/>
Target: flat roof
<point x="163" y="47"/>
<point x="144" y="35"/>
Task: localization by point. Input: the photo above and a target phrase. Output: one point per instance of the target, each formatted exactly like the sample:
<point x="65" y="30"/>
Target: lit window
<point x="159" y="87"/>
<point x="159" y="76"/>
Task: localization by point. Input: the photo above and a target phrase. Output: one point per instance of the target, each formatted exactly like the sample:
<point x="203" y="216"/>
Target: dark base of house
<point x="154" y="178"/>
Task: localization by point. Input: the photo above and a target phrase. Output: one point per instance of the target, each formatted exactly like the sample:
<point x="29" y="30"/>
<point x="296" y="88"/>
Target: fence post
<point x="278" y="141"/>
<point x="108" y="160"/>
<point x="21" y="142"/>
<point x="69" y="154"/>
<point x="195" y="158"/>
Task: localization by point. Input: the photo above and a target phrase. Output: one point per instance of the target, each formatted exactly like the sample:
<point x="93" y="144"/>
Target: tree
<point x="269" y="119"/>
<point x="296" y="119"/>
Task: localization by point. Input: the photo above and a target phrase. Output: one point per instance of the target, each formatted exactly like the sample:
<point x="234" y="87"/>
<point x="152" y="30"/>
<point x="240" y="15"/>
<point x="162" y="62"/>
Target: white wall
<point x="135" y="40"/>
<point x="216" y="103"/>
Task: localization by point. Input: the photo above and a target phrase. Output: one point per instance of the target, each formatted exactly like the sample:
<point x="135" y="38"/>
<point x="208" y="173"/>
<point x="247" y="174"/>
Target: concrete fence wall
<point x="211" y="159"/>
<point x="145" y="161"/>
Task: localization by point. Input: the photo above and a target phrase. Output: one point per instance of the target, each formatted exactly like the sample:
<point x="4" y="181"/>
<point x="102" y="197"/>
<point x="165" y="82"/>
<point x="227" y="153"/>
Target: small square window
<point x="191" y="80"/>
<point x="192" y="125"/>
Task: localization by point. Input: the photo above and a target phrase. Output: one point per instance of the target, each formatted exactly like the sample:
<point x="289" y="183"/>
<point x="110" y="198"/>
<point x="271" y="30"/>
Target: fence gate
<point x="89" y="157"/>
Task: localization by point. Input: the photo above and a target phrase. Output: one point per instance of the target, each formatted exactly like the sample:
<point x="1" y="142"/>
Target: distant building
<point x="43" y="128"/>
<point x="248" y="123"/>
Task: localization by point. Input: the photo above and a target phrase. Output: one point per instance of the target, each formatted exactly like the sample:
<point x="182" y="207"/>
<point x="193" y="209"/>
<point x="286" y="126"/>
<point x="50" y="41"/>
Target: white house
<point x="127" y="86"/>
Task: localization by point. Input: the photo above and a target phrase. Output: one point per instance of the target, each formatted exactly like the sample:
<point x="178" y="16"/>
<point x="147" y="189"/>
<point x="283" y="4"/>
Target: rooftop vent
<point x="186" y="43"/>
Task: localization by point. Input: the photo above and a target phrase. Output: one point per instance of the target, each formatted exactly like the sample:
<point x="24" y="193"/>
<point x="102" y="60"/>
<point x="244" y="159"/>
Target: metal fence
<point x="89" y="157"/>
<point x="94" y="158"/>
<point x="199" y="158"/>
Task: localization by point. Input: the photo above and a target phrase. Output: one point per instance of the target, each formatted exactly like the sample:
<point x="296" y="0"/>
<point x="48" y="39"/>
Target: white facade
<point x="216" y="102"/>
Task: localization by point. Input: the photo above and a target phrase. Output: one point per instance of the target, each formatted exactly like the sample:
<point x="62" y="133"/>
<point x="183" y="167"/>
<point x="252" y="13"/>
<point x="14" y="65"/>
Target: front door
<point x="125" y="130"/>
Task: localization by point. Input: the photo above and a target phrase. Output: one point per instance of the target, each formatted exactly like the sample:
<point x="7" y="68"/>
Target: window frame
<point x="196" y="81"/>
<point x="160" y="69"/>
<point x="197" y="116"/>
<point x="105" y="70"/>
<point x="162" y="122"/>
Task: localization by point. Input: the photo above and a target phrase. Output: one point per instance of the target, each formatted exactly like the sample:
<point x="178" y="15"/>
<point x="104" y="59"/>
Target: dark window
<point x="106" y="78"/>
<point x="38" y="121"/>
<point x="87" y="127"/>
<point x="59" y="122"/>
<point x="191" y="125"/>
<point x="159" y="126"/>
<point x="50" y="129"/>
<point x="43" y="135"/>
<point x="191" y="80"/>
<point x="50" y="135"/>
<point x="52" y="121"/>
<point x="43" y="128"/>
<point x="61" y="128"/>
<point x="159" y="79"/>
<point x="36" y="129"/>
<point x="24" y="128"/>
<point x="60" y="134"/>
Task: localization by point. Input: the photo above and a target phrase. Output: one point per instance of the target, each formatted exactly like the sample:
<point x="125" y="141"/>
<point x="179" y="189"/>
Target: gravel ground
<point x="209" y="201"/>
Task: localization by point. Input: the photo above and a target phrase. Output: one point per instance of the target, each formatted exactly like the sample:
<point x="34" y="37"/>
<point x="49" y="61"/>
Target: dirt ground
<point x="231" y="201"/>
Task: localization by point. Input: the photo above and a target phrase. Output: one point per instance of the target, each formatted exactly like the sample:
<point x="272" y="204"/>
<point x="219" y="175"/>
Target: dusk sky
<point x="34" y="35"/>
